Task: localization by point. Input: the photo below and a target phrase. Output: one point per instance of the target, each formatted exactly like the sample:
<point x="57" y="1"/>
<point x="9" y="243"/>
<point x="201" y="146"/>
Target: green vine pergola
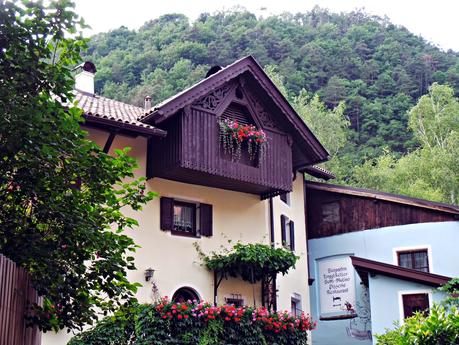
<point x="253" y="262"/>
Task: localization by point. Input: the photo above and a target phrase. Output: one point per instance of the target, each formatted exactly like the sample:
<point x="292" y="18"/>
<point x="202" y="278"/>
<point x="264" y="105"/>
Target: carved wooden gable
<point x="236" y="100"/>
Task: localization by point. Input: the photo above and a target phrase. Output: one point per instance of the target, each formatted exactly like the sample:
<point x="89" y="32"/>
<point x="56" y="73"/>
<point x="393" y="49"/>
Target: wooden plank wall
<point x="16" y="292"/>
<point x="360" y="213"/>
<point x="201" y="151"/>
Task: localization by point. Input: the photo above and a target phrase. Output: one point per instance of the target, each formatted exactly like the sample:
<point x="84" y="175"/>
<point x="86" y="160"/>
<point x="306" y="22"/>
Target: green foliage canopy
<point x="430" y="171"/>
<point x="60" y="216"/>
<point x="252" y="262"/>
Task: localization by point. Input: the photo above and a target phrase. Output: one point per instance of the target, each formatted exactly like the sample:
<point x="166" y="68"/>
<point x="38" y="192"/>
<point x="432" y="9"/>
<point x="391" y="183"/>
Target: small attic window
<point x="238" y="112"/>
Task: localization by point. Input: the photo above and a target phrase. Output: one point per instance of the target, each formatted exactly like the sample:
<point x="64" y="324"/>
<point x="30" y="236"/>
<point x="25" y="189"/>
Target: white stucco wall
<point x="236" y="216"/>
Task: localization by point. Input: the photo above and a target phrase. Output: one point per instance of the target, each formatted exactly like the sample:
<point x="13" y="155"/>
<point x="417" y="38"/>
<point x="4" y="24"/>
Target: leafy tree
<point x="435" y="117"/>
<point x="430" y="171"/>
<point x="61" y="218"/>
<point x="329" y="126"/>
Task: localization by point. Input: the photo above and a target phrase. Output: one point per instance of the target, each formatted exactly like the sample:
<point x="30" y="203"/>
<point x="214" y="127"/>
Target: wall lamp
<point x="149" y="273"/>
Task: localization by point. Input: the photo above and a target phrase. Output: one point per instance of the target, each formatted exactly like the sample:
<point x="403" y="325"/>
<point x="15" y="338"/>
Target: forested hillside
<point x="355" y="79"/>
<point x="377" y="68"/>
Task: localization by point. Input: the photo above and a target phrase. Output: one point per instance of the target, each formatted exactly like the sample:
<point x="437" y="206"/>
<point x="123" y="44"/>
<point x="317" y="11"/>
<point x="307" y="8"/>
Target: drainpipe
<point x="271" y="228"/>
<point x="271" y="221"/>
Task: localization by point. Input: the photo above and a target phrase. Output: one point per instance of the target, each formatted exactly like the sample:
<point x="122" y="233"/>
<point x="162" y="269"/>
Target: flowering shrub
<point x="200" y="323"/>
<point x="234" y="134"/>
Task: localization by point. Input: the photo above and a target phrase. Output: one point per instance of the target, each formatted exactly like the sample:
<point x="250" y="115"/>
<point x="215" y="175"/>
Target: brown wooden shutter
<point x="205" y="219"/>
<point x="283" y="233"/>
<point x="292" y="235"/>
<point x="167" y="213"/>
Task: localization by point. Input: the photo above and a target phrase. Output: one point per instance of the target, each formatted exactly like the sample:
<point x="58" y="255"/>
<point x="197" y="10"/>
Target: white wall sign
<point x="336" y="285"/>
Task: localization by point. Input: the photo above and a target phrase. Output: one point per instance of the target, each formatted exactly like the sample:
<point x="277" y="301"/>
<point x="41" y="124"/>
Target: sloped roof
<point x="318" y="172"/>
<point x="170" y="106"/>
<point x="377" y="267"/>
<point x="374" y="194"/>
<point x="107" y="111"/>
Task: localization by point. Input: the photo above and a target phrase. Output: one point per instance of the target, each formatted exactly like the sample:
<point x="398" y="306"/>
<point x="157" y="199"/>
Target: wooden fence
<point x="15" y="293"/>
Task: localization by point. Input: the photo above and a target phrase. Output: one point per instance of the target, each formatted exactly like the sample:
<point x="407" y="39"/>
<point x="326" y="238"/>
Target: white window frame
<point x="235" y="296"/>
<point x="185" y="285"/>
<point x="296" y="297"/>
<point x="288" y="201"/>
<point x="427" y="247"/>
<point x="288" y="240"/>
<point x="410" y="292"/>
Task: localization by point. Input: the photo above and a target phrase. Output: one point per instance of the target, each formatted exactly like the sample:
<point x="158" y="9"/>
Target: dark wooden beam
<point x="110" y="139"/>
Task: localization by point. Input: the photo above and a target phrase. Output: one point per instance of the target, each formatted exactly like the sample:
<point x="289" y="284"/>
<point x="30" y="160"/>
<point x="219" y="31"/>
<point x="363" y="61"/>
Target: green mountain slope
<point x="377" y="68"/>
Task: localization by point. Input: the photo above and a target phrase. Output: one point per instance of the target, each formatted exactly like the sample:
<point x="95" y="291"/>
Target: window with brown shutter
<point x="413" y="303"/>
<point x="283" y="220"/>
<point x="292" y="235"/>
<point x="181" y="218"/>
<point x="166" y="213"/>
<point x="205" y="219"/>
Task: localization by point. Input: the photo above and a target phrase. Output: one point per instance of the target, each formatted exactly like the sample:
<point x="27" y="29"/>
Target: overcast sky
<point x="437" y="20"/>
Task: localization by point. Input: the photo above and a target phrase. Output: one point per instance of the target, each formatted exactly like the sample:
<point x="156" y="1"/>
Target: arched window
<point x="184" y="294"/>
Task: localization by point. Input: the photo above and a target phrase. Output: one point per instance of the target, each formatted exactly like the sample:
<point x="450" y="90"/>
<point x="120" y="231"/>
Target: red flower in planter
<point x="233" y="134"/>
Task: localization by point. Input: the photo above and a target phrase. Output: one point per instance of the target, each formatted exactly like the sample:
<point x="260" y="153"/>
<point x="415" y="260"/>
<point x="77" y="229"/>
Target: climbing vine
<point x="251" y="262"/>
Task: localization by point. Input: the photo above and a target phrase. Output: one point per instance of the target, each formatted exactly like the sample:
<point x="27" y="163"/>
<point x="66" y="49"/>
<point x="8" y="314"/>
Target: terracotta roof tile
<point x="99" y="106"/>
<point x="106" y="108"/>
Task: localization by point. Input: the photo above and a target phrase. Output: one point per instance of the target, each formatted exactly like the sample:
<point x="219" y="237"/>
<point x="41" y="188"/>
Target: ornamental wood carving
<point x="212" y="100"/>
<point x="263" y="115"/>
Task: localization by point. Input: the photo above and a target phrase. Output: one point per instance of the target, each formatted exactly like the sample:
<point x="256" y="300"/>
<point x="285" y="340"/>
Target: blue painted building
<point x="367" y="271"/>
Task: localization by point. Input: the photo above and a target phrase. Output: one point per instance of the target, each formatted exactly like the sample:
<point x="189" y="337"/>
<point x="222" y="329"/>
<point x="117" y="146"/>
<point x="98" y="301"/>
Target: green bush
<point x="439" y="327"/>
<point x="193" y="323"/>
